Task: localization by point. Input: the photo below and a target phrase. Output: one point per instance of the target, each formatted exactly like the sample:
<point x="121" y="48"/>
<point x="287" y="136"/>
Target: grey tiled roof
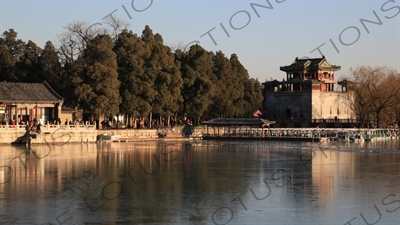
<point x="309" y="64"/>
<point x="238" y="122"/>
<point x="28" y="93"/>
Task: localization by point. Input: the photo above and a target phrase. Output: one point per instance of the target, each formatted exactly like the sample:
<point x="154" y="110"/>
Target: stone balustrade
<point x="16" y="134"/>
<point x="48" y="128"/>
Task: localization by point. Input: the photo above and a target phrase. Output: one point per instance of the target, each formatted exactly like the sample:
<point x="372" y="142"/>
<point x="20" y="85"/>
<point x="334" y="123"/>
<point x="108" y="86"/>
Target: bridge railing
<point x="280" y="120"/>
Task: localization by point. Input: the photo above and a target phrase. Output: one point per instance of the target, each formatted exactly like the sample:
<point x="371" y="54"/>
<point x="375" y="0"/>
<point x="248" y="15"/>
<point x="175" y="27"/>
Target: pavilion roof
<point x="19" y="92"/>
<point x="311" y="65"/>
<point x="238" y="122"/>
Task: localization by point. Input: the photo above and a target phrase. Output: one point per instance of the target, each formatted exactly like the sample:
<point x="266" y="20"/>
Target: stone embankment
<point x="55" y="134"/>
<point x="62" y="134"/>
<point x="175" y="133"/>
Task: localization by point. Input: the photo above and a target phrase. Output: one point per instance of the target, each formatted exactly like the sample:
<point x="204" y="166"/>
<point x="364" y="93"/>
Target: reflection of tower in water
<point x="188" y="158"/>
<point x="330" y="170"/>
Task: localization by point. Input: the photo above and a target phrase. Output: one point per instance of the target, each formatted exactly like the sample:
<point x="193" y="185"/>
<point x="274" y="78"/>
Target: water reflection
<point x="200" y="182"/>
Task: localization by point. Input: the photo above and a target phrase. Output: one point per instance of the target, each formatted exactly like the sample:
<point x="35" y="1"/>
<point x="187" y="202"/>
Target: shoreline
<point x="62" y="134"/>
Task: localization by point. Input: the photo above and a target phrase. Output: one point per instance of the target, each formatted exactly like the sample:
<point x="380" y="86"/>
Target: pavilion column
<point x="17" y="116"/>
<point x="14" y="113"/>
<point x="287" y="78"/>
<point x="30" y="114"/>
<point x="291" y="83"/>
<point x="8" y="114"/>
<point x="26" y="114"/>
<point x="59" y="106"/>
<point x="287" y="84"/>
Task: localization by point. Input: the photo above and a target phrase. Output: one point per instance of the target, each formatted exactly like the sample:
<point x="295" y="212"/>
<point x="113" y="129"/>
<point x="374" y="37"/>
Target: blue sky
<point x="263" y="42"/>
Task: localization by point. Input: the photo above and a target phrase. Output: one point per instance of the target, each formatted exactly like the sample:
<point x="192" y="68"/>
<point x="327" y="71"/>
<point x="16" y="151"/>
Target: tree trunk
<point x="377" y="119"/>
<point x="150" y="120"/>
<point x="362" y="118"/>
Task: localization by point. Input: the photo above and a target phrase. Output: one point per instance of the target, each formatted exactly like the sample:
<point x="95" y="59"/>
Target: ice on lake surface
<point x="201" y="182"/>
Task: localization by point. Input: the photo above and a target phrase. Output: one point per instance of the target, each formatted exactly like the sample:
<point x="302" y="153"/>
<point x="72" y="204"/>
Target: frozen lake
<point x="201" y="182"/>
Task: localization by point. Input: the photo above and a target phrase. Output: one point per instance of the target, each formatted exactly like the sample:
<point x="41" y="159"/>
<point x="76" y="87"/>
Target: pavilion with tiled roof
<point x="252" y="122"/>
<point x="235" y="127"/>
<point x="309" y="65"/>
<point x="28" y="101"/>
<point x="306" y="74"/>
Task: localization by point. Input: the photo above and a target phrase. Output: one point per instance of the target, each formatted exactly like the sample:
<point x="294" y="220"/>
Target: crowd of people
<point x="80" y="122"/>
<point x="112" y="123"/>
<point x="32" y="125"/>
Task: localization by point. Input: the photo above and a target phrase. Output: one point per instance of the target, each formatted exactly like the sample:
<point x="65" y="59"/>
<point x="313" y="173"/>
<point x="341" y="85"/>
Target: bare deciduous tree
<point x="115" y="26"/>
<point x="78" y="33"/>
<point x="375" y="89"/>
<point x="74" y="40"/>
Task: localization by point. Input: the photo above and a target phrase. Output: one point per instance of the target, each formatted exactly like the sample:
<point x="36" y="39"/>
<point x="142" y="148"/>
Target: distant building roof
<point x="18" y="92"/>
<point x="239" y="122"/>
<point x="312" y="65"/>
<point x="67" y="109"/>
